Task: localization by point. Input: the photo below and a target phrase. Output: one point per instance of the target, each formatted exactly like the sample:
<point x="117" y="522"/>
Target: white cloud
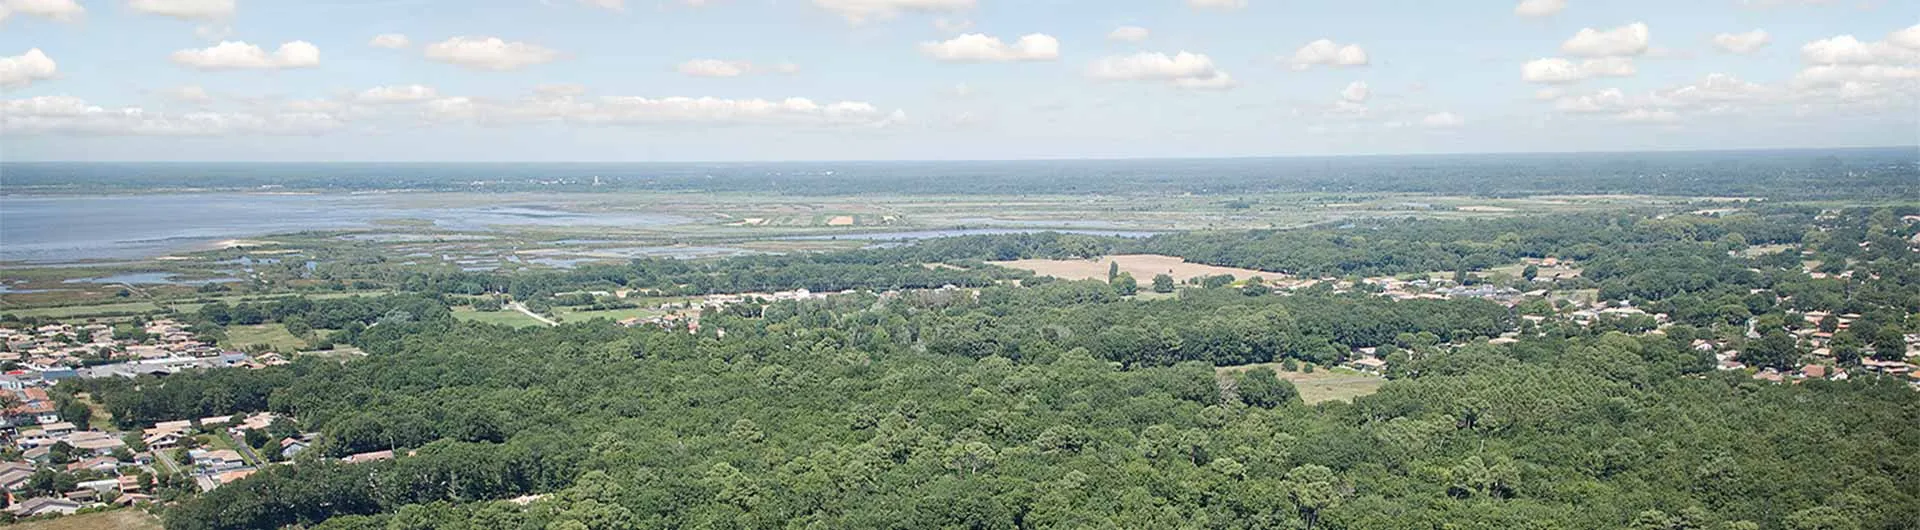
<point x="235" y="55"/>
<point x="1558" y="71"/>
<point x="1648" y="116"/>
<point x="1442" y="120"/>
<point x="975" y="47"/>
<point x="1900" y="47"/>
<point x="1539" y="8"/>
<point x="1217" y="4"/>
<point x="1907" y="38"/>
<point x="722" y="68"/>
<point x="610" y="5"/>
<point x="1328" y="53"/>
<point x="1609" y="67"/>
<point x="22" y="70"/>
<point x="67" y="115"/>
<point x="1184" y="69"/>
<point x="60" y="10"/>
<point x="715" y="68"/>
<point x="489" y="53"/>
<point x="1355" y="92"/>
<point x="187" y="9"/>
<point x="396" y="94"/>
<point x="640" y="111"/>
<point x="1628" y="40"/>
<point x="1128" y="34"/>
<point x="1742" y="43"/>
<point x="1840" y="74"/>
<point x="861" y="11"/>
<point x="391" y="41"/>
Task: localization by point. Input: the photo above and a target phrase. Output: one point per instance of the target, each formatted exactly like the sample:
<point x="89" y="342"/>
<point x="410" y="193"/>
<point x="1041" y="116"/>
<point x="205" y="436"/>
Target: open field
<point x="569" y="314"/>
<point x="79" y="311"/>
<point x="275" y="335"/>
<point x="1335" y="384"/>
<point x="1143" y="267"/>
<point x="507" y="317"/>
<point x="1555" y="272"/>
<point x="123" y="519"/>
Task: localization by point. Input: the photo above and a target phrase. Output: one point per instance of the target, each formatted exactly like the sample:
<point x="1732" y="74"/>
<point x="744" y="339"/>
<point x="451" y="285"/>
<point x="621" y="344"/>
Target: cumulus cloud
<point x="1356" y="92"/>
<point x="1539" y="8"/>
<point x="68" y="115"/>
<point x="1217" y="4"/>
<point x="396" y="94"/>
<point x="187" y="9"/>
<point x="1900" y="47"/>
<point x="59" y="10"/>
<point x="641" y="111"/>
<point x="1628" y="40"/>
<point x="1328" y="53"/>
<point x="22" y="70"/>
<point x="715" y="68"/>
<point x="391" y="41"/>
<point x="235" y="55"/>
<point x="1128" y="34"/>
<point x="1742" y="43"/>
<point x="975" y="47"/>
<point x="1442" y="120"/>
<point x="489" y="53"/>
<point x="1714" y="93"/>
<point x="1847" y="70"/>
<point x="1558" y="71"/>
<point x="1184" y="69"/>
<point x="861" y="11"/>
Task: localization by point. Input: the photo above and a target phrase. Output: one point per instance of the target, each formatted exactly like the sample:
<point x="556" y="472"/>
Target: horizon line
<point x="1915" y="147"/>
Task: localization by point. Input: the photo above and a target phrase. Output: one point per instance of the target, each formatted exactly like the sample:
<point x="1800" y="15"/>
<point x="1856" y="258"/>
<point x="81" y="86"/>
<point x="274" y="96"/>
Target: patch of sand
<point x="840" y="220"/>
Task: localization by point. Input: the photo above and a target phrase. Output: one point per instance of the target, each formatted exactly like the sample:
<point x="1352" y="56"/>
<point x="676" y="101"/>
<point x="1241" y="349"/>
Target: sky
<point x="769" y="80"/>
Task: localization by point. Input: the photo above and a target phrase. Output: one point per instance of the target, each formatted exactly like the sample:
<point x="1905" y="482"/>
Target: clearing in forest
<point x="1324" y="384"/>
<point x="1142" y="266"/>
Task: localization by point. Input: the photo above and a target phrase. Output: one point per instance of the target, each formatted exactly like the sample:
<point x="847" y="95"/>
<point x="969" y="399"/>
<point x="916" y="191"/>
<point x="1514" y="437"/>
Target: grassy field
<point x="79" y="311"/>
<point x="1337" y="384"/>
<point x="504" y="316"/>
<point x="1143" y="267"/>
<point x="124" y="519"/>
<point x="275" y="335"/>
<point x="568" y="314"/>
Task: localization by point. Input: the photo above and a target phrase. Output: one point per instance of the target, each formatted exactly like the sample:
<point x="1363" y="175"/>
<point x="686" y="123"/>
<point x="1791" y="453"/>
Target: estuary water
<point x="59" y="229"/>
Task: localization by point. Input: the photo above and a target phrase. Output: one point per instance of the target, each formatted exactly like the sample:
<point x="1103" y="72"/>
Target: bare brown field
<point x="1143" y="267"/>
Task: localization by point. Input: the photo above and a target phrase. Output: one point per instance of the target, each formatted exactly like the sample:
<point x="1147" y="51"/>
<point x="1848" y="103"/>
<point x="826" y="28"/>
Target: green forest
<point x="978" y="397"/>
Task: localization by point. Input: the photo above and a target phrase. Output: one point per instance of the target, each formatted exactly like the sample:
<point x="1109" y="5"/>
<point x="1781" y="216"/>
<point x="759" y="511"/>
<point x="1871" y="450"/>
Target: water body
<point x="149" y="278"/>
<point x="59" y="229"/>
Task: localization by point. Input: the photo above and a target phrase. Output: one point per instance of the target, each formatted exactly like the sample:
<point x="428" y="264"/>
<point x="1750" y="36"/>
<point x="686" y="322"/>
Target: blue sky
<point x="945" y="79"/>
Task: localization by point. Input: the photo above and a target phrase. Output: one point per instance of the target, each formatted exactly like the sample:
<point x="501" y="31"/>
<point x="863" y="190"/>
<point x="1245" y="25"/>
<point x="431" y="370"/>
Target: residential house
<point x="368" y="457"/>
<point x="95" y="442"/>
<point x="44" y="506"/>
<point x="14" y="475"/>
<point x="57" y="429"/>
<point x="216" y="461"/>
<point x="163" y="440"/>
<point x="230" y="476"/>
<point x="99" y="463"/>
<point x="291" y="446"/>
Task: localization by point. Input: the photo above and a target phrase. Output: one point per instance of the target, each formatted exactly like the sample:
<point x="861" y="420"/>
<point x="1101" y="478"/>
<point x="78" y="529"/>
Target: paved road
<point x="517" y="306"/>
